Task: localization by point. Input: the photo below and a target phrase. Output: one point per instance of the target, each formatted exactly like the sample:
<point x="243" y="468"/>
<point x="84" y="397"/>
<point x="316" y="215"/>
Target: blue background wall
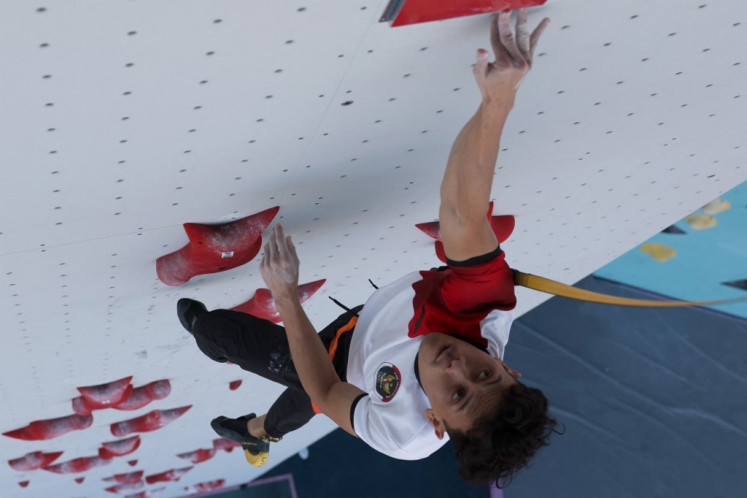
<point x="704" y="259"/>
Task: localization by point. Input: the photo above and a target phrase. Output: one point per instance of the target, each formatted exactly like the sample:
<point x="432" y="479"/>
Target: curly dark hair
<point x="503" y="442"/>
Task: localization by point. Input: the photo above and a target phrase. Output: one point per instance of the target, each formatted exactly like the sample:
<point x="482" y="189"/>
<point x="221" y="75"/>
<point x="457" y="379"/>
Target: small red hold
<point x="131" y="463"/>
<point x="168" y="476"/>
<point x="39" y="430"/>
<point x="77" y="465"/>
<point x="234" y="384"/>
<point x="151" y="421"/>
<point x="23" y="484"/>
<point x="262" y="305"/>
<point x="33" y="461"/>
<point x="419" y="11"/>
<point x="106" y="395"/>
<point x="225" y="444"/>
<point x="215" y="248"/>
<point x="204" y="487"/>
<point x="80" y="480"/>
<point x="119" y="448"/>
<point x="198" y="456"/>
<point x="122" y="488"/>
<point x="143" y="395"/>
<point x="126" y="478"/>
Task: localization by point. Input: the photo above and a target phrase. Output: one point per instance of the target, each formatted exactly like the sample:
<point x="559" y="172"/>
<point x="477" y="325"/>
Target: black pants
<point x="261" y="347"/>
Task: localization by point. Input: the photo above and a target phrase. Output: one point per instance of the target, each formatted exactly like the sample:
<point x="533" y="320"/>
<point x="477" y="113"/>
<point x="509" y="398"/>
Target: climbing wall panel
<point x="121" y="121"/>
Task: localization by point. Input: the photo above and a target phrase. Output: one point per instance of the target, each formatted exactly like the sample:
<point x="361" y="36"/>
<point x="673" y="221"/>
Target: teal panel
<point x="705" y="259"/>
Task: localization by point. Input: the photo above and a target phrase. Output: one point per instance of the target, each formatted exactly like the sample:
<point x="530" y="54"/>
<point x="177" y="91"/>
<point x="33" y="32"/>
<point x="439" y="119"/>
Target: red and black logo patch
<point x="387" y="381"/>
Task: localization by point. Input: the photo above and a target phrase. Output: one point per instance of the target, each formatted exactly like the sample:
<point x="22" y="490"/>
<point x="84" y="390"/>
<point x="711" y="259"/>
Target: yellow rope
<point x="552" y="287"/>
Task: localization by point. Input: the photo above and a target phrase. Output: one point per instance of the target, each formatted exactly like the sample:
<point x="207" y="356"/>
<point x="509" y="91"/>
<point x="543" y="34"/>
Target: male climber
<point x="421" y="361"/>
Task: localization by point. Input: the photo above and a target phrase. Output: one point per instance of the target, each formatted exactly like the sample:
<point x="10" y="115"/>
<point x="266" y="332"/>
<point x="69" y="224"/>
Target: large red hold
<point x="39" y="430"/>
<point x="417" y="11"/>
<point x="169" y="475"/>
<point x="119" y="448"/>
<point x="215" y="248"/>
<point x="262" y="305"/>
<point x="77" y="465"/>
<point x="34" y="460"/>
<point x="143" y="395"/>
<point x="126" y="478"/>
<point x="106" y="395"/>
<point x="151" y="421"/>
<point x="132" y="399"/>
<point x="198" y="456"/>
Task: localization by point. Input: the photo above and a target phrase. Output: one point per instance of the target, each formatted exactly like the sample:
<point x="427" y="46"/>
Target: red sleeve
<point x="456" y="299"/>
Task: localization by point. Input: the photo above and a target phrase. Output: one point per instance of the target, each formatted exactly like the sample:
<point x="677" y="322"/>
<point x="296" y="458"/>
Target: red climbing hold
<point x="225" y="444"/>
<point x="106" y="395"/>
<point x="143" y="395"/>
<point x="119" y="448"/>
<point x="204" y="487"/>
<point x="148" y="422"/>
<point x="126" y="478"/>
<point x="263" y="306"/>
<point x="502" y="227"/>
<point x="234" y="384"/>
<point x="23" y="484"/>
<point x="431" y="229"/>
<point x="49" y="429"/>
<point x="80" y="407"/>
<point x="198" y="456"/>
<point x="417" y="11"/>
<point x="215" y="248"/>
<point x="80" y="480"/>
<point x="34" y="460"/>
<point x="121" y="488"/>
<point x="169" y="475"/>
<point x="131" y="463"/>
<point x="158" y="389"/>
<point x="77" y="465"/>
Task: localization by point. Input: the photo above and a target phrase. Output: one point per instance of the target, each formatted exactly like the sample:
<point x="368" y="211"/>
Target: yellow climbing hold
<point x="716" y="206"/>
<point x="659" y="252"/>
<point x="700" y="221"/>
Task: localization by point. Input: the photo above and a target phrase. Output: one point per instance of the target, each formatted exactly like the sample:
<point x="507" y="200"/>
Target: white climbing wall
<point x="121" y="120"/>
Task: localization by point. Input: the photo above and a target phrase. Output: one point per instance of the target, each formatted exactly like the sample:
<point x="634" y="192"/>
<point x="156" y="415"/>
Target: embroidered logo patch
<point x="387" y="381"/>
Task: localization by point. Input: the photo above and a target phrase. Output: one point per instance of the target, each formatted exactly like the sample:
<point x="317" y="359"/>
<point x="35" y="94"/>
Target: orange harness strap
<point x="333" y="347"/>
<point x="345" y="328"/>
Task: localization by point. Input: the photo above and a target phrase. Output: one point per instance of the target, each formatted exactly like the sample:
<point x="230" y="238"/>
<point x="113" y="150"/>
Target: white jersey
<point x="381" y="361"/>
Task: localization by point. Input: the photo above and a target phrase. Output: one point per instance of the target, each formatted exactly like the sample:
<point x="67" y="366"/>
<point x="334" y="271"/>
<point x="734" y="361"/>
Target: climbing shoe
<point x="188" y="311"/>
<point x="256" y="450"/>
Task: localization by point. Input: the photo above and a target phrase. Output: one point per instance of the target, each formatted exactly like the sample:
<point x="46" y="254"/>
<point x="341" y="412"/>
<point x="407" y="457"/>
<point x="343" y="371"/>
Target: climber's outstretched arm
<point x="465" y="190"/>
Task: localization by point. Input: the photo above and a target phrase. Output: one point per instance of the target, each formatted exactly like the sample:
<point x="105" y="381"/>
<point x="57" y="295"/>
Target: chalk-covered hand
<point x="279" y="266"/>
<point x="514" y="53"/>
